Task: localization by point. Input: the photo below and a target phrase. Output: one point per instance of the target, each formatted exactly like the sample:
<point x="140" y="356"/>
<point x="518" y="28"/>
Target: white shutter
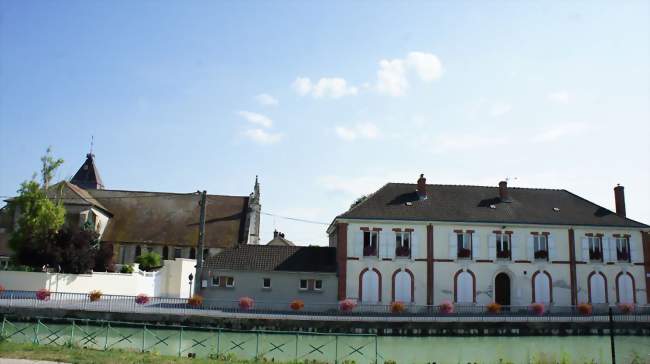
<point x="606" y="255"/>
<point x="531" y="248"/>
<point x="476" y="246"/>
<point x="612" y="250"/>
<point x="585" y="249"/>
<point x="552" y="251"/>
<point x="383" y="246"/>
<point x="453" y="245"/>
<point x="492" y="247"/>
<point x="389" y="239"/>
<point x="636" y="251"/>
<point x="415" y="245"/>
<point x="516" y="246"/>
<point x="356" y="245"/>
<point x="625" y="289"/>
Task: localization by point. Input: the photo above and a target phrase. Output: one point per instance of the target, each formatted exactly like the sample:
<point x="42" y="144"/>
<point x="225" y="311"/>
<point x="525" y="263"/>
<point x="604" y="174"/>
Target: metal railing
<point x="411" y="312"/>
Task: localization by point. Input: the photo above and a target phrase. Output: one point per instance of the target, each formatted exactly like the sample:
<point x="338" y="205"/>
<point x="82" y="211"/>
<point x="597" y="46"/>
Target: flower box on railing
<point x="541" y="254"/>
<point x="347" y="305"/>
<point x="43" y="294"/>
<point x="585" y="309"/>
<point x="95" y="295"/>
<point x="246" y="303"/>
<point x="297" y="305"/>
<point x="397" y="307"/>
<point x="142" y="299"/>
<point x="538" y="308"/>
<point x="625" y="308"/>
<point x="446" y="307"/>
<point x="195" y="301"/>
<point x="493" y="308"/>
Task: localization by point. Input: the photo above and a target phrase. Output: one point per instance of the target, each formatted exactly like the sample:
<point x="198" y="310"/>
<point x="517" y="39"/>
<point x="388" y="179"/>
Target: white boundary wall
<point x="170" y="281"/>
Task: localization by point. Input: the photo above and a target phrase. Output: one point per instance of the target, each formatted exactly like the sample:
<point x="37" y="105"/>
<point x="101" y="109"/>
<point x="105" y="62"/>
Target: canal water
<point x="359" y="349"/>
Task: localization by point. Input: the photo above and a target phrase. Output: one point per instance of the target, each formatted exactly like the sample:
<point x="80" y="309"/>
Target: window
<point x="303" y="284"/>
<point x="230" y="281"/>
<point x="540" y="243"/>
<point x="503" y="246"/>
<point x="206" y="253"/>
<point x="311" y="285"/>
<point x="623" y="249"/>
<point x="595" y="248"/>
<point x="370" y="241"/>
<point x="215" y="281"/>
<point x="149" y="249"/>
<point x="403" y="244"/>
<point x="266" y="283"/>
<point x="165" y="252"/>
<point x="192" y="253"/>
<point x="464" y="245"/>
<point x="138" y="251"/>
<point x="318" y="285"/>
<point x="178" y="253"/>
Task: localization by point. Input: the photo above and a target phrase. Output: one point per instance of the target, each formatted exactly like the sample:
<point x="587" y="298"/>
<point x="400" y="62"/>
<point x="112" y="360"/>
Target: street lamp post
<point x="191" y="277"/>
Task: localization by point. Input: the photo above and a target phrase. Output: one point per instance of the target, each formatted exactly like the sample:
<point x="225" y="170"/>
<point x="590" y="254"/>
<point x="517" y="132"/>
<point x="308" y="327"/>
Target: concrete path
<point x="26" y="361"/>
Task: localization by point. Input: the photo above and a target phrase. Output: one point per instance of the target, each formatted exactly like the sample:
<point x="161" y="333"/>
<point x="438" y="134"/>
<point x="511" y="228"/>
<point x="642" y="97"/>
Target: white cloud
<point x="358" y="131"/>
<point x="392" y="76"/>
<point x="332" y="87"/>
<point x="262" y="136"/>
<point x="426" y="65"/>
<point x="560" y="97"/>
<point x="500" y="109"/>
<point x="266" y="100"/>
<point x="302" y="85"/>
<point x="255" y="118"/>
<point x="559" y="131"/>
<point x="444" y="143"/>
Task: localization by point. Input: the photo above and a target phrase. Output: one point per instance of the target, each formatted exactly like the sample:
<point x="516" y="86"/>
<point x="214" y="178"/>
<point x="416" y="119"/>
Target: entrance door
<point x="502" y="289"/>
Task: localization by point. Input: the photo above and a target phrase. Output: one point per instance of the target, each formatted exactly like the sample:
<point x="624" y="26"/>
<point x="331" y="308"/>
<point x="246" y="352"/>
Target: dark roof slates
<point x="266" y="258"/>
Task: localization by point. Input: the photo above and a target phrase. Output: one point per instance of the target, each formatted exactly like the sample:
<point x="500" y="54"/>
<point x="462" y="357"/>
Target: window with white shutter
<point x="403" y="243"/>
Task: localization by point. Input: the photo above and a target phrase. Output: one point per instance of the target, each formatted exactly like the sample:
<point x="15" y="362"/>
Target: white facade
<point x="533" y="277"/>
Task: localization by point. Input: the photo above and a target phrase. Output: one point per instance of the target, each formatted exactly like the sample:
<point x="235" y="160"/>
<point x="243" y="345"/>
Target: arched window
<point x="625" y="288"/>
<point x="165" y="252"/>
<point x="403" y="286"/>
<point x="370" y="286"/>
<point x="464" y="287"/>
<point x="597" y="288"/>
<point x="193" y="253"/>
<point x="542" y="287"/>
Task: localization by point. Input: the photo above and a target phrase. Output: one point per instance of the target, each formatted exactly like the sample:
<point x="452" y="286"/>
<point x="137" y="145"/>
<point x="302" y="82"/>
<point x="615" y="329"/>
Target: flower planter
<point x="397" y="307"/>
<point x="246" y="303"/>
<point x="43" y="294"/>
<point x="347" y="305"/>
<point x="538" y="309"/>
<point x="585" y="309"/>
<point x="446" y="307"/>
<point x="297" y="305"/>
<point x="626" y="308"/>
<point x="493" y="308"/>
<point x="142" y="299"/>
<point x="195" y="301"/>
<point x="95" y="295"/>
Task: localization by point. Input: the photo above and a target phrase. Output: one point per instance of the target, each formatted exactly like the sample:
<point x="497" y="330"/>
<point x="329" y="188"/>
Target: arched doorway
<point x="370" y="286"/>
<point x="403" y="286"/>
<point x="502" y="289"/>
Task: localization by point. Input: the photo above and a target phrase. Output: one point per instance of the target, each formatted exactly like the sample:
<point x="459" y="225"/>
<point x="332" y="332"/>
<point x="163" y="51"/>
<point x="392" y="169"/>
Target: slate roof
<point x="88" y="176"/>
<point x="172" y="218"/>
<point x="267" y="258"/>
<point x="459" y="203"/>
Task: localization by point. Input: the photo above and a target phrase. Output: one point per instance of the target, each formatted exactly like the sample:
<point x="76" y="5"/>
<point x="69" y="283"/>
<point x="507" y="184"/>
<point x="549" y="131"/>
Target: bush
<point x="446" y="307"/>
<point x="347" y="305"/>
<point x="149" y="261"/>
<point x="43" y="294"/>
<point x="95" y="295"/>
<point x="493" y="307"/>
<point x="538" y="308"/>
<point x="397" y="307"/>
<point x="142" y="299"/>
<point x="195" y="301"/>
<point x="297" y="305"/>
<point x="585" y="309"/>
<point x="623" y="307"/>
<point x="127" y="268"/>
<point x="246" y="303"/>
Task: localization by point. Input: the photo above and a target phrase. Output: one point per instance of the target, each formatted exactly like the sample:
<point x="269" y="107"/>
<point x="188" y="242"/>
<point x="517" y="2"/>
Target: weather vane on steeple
<point x="92" y="141"/>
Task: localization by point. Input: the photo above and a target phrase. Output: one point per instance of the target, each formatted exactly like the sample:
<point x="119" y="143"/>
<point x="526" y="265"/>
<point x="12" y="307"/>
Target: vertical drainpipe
<point x="430" y="271"/>
<point x="572" y="267"/>
<point x="645" y="241"/>
<point x="342" y="257"/>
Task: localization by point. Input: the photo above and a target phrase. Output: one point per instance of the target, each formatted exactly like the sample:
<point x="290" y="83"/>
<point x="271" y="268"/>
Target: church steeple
<point x="88" y="176"/>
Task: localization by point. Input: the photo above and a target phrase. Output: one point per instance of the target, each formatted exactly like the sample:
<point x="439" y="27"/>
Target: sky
<point x="327" y="101"/>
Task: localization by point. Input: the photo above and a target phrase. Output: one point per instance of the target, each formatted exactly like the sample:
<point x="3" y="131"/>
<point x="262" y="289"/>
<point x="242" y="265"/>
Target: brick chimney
<point x="619" y="197"/>
<point x="503" y="192"/>
<point x="422" y="187"/>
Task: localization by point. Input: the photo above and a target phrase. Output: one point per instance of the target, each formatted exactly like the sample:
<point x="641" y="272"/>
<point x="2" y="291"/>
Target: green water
<point x="330" y="348"/>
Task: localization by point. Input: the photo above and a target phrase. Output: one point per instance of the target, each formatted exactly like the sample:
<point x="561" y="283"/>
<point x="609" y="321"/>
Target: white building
<point x="424" y="244"/>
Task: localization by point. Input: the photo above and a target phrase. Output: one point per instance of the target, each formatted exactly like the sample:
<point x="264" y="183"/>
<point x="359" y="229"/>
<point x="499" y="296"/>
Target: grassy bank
<point x="89" y="356"/>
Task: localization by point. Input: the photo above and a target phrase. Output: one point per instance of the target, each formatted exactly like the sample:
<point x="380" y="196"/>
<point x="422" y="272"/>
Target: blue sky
<point x="327" y="101"/>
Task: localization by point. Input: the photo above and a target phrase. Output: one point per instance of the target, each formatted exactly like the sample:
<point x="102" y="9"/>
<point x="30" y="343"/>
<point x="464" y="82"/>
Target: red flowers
<point x="397" y="307"/>
<point x="43" y="294"/>
<point x="195" y="301"/>
<point x="347" y="305"/>
<point x="142" y="299"/>
<point x="297" y="305"/>
<point x="446" y="307"/>
<point x="538" y="308"/>
<point x="585" y="309"/>
<point x="246" y="303"/>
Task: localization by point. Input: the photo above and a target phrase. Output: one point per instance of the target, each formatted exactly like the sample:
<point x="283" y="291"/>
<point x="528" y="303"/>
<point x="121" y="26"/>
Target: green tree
<point x="49" y="165"/>
<point x="149" y="261"/>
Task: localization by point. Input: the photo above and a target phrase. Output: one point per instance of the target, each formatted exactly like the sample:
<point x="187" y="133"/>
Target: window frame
<point x="539" y="241"/>
<point x="466" y="243"/>
<point x="230" y="282"/>
<point x="595" y="242"/>
<point x="400" y="237"/>
<point x="368" y="249"/>
<point x="300" y="287"/>
<point x="318" y="282"/>
<point x="218" y="281"/>
<point x="623" y="242"/>
<point x="503" y="254"/>
<point x="264" y="286"/>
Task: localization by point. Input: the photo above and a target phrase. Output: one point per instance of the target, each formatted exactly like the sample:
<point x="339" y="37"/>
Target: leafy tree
<point x="49" y="165"/>
<point x="149" y="261"/>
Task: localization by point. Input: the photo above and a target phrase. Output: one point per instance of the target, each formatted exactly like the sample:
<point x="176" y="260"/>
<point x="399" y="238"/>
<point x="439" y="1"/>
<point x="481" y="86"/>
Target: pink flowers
<point x="297" y="305"/>
<point x="347" y="305"/>
<point x="397" y="307"/>
<point x="626" y="308"/>
<point x="446" y="307"/>
<point x="585" y="309"/>
<point x="43" y="294"/>
<point x="142" y="299"/>
<point x="246" y="303"/>
<point x="538" y="308"/>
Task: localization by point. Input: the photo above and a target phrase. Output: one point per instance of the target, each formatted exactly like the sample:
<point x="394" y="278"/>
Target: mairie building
<point x="425" y="244"/>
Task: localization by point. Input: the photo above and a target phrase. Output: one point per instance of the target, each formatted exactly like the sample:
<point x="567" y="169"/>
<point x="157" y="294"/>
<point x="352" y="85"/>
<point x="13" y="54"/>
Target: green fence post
<point x="219" y="342"/>
<point x="2" y="333"/>
<point x="38" y="324"/>
<point x="144" y="329"/>
<point x="108" y="328"/>
<point x="296" y="359"/>
<point x="180" y="342"/>
<point x="376" y="350"/>
<point x="257" y="345"/>
<point x="336" y="348"/>
<point x="72" y="333"/>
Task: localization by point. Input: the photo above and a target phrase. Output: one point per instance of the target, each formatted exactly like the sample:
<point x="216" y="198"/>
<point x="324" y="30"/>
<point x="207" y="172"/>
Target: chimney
<point x="275" y="234"/>
<point x="619" y="197"/>
<point x="503" y="191"/>
<point x="422" y="187"/>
